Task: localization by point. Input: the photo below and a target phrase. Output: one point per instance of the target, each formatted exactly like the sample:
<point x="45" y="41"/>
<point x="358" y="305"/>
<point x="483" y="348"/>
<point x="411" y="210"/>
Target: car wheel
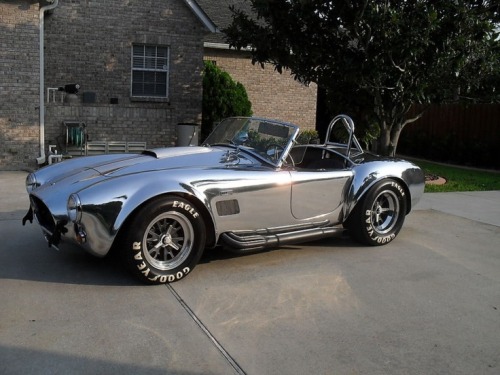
<point x="379" y="216"/>
<point x="165" y="240"/>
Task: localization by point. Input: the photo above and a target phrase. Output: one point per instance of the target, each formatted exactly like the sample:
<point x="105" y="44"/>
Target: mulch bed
<point x="433" y="179"/>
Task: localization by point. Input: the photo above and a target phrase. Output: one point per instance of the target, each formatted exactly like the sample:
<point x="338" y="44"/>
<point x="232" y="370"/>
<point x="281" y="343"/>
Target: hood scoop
<point x="162" y="153"/>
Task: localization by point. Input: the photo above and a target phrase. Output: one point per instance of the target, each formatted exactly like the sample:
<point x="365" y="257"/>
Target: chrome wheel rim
<point x="385" y="212"/>
<point x="168" y="240"/>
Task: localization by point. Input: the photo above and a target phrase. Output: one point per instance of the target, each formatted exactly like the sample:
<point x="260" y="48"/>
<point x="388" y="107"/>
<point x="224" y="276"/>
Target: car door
<point x="318" y="182"/>
<point x="247" y="199"/>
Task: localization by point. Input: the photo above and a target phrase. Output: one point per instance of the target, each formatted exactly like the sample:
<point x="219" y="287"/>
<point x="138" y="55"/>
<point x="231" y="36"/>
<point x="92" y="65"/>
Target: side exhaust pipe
<point x="255" y="242"/>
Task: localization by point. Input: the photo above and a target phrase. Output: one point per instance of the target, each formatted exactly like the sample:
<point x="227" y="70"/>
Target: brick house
<point x="138" y="64"/>
<point x="19" y="82"/>
<point x="272" y="94"/>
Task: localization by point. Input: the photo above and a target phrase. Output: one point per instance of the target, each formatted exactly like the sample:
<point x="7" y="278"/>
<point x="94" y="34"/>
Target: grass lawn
<point x="458" y="178"/>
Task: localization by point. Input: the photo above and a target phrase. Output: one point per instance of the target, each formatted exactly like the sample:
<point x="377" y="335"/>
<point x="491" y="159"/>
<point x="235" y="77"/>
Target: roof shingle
<point x="220" y="14"/>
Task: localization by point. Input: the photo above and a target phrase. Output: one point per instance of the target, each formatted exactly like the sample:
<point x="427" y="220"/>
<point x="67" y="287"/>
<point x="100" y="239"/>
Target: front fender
<point x="105" y="211"/>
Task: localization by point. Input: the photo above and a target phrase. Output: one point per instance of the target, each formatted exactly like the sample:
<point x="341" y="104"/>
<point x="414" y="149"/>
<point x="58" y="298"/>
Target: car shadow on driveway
<point x="339" y="243"/>
<point x="25" y="255"/>
<point x="52" y="362"/>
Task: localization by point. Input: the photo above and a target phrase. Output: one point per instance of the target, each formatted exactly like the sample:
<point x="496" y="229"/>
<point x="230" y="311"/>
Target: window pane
<point x="138" y="62"/>
<point x="137" y="76"/>
<point x="138" y="50"/>
<point x="162" y="52"/>
<point x="149" y="63"/>
<point x="150" y="51"/>
<point x="161" y="64"/>
<point x="149" y="89"/>
<point x="137" y="89"/>
<point x="161" y="90"/>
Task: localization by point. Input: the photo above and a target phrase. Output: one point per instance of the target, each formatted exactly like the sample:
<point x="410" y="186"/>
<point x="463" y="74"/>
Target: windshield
<point x="267" y="139"/>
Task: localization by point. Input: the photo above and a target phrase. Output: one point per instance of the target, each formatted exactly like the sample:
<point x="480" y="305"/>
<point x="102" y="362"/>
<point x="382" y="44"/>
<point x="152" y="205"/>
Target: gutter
<point x="225" y="46"/>
<point x="41" y="159"/>
<point x="216" y="45"/>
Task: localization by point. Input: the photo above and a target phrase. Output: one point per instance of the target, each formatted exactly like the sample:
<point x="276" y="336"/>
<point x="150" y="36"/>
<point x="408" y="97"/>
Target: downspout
<point x="41" y="159"/>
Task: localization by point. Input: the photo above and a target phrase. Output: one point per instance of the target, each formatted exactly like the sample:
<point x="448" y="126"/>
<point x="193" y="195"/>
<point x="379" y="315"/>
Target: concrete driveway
<point x="428" y="303"/>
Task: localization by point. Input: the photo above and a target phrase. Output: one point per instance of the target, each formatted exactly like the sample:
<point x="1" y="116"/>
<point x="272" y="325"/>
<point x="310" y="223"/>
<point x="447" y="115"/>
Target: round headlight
<point x="31" y="183"/>
<point x="74" y="208"/>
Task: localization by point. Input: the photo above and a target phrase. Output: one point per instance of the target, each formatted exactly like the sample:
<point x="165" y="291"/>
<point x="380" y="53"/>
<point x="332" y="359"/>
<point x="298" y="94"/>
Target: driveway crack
<point x="207" y="332"/>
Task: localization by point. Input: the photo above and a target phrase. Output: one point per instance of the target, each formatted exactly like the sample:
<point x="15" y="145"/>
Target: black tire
<point x="379" y="216"/>
<point x="164" y="241"/>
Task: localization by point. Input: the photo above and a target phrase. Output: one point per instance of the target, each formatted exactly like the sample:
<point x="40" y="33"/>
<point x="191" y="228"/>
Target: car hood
<point x="81" y="172"/>
<point x="157" y="159"/>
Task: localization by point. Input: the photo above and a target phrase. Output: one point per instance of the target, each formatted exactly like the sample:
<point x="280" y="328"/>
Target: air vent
<point x="229" y="207"/>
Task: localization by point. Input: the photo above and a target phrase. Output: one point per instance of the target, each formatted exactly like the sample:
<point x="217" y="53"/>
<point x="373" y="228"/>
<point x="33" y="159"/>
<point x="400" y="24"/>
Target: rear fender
<point x="366" y="175"/>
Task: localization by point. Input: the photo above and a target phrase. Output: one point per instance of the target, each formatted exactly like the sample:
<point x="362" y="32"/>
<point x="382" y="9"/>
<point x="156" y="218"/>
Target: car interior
<point x="317" y="157"/>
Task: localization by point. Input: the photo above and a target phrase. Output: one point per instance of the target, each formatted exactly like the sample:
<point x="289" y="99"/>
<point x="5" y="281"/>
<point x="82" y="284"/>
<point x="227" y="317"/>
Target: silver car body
<point x="246" y="198"/>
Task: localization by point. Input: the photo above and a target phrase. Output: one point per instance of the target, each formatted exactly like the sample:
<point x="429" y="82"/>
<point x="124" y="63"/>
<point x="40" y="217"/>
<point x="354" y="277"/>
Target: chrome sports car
<point x="250" y="186"/>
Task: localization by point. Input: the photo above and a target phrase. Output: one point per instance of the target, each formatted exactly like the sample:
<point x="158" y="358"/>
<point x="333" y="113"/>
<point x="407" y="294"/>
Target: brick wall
<point x="106" y="122"/>
<point x="90" y="42"/>
<point x="19" y="66"/>
<point x="272" y="94"/>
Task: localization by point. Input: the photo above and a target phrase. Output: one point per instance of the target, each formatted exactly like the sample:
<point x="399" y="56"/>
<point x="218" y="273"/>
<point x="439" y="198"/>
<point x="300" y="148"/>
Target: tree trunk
<point x="391" y="127"/>
<point x="395" y="133"/>
<point x="388" y="140"/>
<point x="384" y="139"/>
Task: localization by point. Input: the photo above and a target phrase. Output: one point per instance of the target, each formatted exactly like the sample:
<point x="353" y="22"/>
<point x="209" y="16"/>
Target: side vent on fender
<point x="229" y="207"/>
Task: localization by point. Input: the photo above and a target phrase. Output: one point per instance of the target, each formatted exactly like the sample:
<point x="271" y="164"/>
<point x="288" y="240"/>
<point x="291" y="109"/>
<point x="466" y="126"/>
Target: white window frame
<point x="149" y="64"/>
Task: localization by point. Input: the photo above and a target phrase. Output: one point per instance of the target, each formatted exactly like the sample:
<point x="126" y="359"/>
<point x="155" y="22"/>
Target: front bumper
<point x="58" y="229"/>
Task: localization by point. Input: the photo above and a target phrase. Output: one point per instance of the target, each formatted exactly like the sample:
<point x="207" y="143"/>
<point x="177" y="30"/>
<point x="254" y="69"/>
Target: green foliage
<point x="375" y="59"/>
<point x="307" y="136"/>
<point x="256" y="141"/>
<point x="222" y="97"/>
<point x="370" y="133"/>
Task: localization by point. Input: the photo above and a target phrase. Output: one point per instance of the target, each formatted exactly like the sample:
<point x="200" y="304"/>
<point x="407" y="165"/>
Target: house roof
<point x="219" y="14"/>
<point x="202" y="15"/>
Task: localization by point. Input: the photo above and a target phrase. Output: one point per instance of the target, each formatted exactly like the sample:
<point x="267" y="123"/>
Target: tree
<point x="222" y="97"/>
<point x="374" y="59"/>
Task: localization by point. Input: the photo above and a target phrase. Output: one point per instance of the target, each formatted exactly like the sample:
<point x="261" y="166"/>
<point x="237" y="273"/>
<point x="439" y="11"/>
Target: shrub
<point x="307" y="136"/>
<point x="222" y="97"/>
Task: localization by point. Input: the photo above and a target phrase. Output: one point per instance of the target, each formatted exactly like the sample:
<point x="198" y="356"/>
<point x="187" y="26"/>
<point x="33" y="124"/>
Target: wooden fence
<point x="464" y="134"/>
